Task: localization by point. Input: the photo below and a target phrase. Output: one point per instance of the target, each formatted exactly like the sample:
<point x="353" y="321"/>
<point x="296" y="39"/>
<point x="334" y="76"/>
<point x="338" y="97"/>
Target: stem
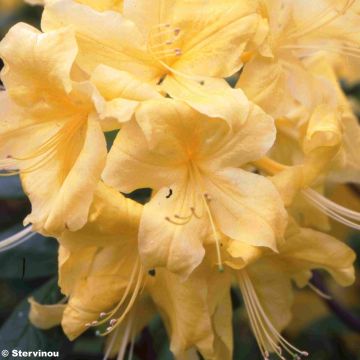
<point x="350" y="320"/>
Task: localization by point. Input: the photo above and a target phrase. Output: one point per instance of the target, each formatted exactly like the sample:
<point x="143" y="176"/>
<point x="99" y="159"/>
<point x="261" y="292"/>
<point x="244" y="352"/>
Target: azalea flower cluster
<point x="232" y="113"/>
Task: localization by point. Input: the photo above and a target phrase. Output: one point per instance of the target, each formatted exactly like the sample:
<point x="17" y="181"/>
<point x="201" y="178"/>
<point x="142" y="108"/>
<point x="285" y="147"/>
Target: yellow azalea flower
<point x="345" y="167"/>
<point x="298" y="30"/>
<point x="178" y="49"/>
<point x="325" y="144"/>
<point x="100" y="272"/>
<point x="101" y="258"/>
<point x="192" y="162"/>
<point x="266" y="283"/>
<point x="101" y="276"/>
<point x="52" y="127"/>
<point x="197" y="313"/>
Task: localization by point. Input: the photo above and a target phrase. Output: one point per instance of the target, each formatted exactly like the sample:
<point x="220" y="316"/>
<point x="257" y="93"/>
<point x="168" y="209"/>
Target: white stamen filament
<point x="125" y="339"/>
<point x="268" y="338"/>
<point x="114" y="322"/>
<point x="333" y="210"/>
<point x="44" y="153"/>
<point x="319" y="292"/>
<point x="326" y="17"/>
<point x="111" y="344"/>
<point x="16" y="239"/>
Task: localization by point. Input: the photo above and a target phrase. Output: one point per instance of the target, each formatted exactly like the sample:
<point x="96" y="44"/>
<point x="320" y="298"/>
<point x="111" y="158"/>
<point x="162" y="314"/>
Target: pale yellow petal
<point x="191" y="310"/>
<point x="122" y="92"/>
<point x="102" y="288"/>
<point x="103" y="38"/>
<point x="62" y="191"/>
<point x="113" y="219"/>
<point x="212" y="97"/>
<point x="131" y="165"/>
<point x="37" y="66"/>
<point x="209" y="31"/>
<point x="45" y="316"/>
<point x="264" y="81"/>
<point x="307" y="249"/>
<point x="247" y="207"/>
<point x="274" y="290"/>
<point x="174" y="237"/>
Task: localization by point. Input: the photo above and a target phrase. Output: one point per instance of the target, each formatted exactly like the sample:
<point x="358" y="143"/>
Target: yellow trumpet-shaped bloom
<point x="298" y="30"/>
<point x="100" y="274"/>
<point x="99" y="267"/>
<point x="266" y="282"/>
<point x="51" y="127"/>
<point x="176" y="44"/>
<point x="192" y="163"/>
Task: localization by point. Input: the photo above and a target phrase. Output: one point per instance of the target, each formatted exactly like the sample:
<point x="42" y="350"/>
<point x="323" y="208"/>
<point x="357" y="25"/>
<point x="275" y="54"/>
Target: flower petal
<point x="247" y="207"/>
<point x="191" y="310"/>
<point x="45" y="316"/>
<point x="131" y="165"/>
<point x="212" y="97"/>
<point x="103" y="38"/>
<point x="34" y="60"/>
<point x="166" y="240"/>
<point x="307" y="249"/>
<point x="62" y="191"/>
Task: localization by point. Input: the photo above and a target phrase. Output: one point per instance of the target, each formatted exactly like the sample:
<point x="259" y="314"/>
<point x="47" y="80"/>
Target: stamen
<point x="205" y="201"/>
<point x="44" y="153"/>
<point x="319" y="292"/>
<point x="180" y="223"/>
<point x="333" y="210"/>
<point x="268" y="338"/>
<point x="178" y="52"/>
<point x="139" y="284"/>
<point x="125" y="339"/>
<point x="16" y="239"/>
<point x="111" y="344"/>
<point x="326" y="17"/>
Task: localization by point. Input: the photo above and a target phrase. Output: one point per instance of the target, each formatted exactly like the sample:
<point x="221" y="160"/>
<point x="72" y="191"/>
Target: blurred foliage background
<point x="30" y="270"/>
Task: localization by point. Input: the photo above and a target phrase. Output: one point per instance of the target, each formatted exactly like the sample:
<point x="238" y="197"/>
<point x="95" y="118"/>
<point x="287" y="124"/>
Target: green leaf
<point x="18" y="333"/>
<point x="160" y="339"/>
<point x="35" y="258"/>
<point x="10" y="188"/>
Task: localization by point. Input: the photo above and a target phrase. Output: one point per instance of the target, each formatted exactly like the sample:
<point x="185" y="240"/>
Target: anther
<point x="102" y="315"/>
<point x="193" y="212"/>
<point x="87" y="325"/>
<point x="109" y="329"/>
<point x="152" y="272"/>
<point x="94" y="323"/>
<point x="178" y="52"/>
<point x="113" y="322"/>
